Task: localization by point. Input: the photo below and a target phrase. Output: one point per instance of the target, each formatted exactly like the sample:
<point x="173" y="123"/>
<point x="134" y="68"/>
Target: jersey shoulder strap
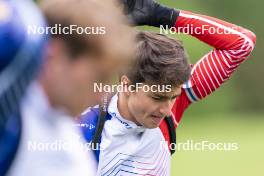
<point x="172" y="133"/>
<point x="168" y="130"/>
<point x="92" y="124"/>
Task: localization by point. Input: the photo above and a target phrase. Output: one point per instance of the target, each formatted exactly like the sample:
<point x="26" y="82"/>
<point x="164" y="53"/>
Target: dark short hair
<point x="159" y="60"/>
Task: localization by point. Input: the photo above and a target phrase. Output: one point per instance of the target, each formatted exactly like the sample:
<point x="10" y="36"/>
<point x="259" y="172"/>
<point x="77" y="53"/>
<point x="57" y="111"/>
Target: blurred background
<point x="235" y="112"/>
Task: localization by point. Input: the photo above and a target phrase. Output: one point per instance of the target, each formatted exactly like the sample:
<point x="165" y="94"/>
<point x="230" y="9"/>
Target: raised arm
<point x="232" y="44"/>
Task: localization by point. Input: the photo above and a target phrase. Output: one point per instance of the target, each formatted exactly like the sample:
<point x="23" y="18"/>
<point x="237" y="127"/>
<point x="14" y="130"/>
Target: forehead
<point x="174" y="91"/>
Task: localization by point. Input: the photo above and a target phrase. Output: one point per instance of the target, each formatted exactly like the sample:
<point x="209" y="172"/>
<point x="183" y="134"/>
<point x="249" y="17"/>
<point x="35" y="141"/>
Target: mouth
<point x="156" y="119"/>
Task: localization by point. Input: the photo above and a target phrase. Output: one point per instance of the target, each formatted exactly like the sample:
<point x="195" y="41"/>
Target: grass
<point x="247" y="130"/>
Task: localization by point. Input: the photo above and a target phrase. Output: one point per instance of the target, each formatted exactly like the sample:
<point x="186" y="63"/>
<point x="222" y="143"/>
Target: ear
<point x="125" y="82"/>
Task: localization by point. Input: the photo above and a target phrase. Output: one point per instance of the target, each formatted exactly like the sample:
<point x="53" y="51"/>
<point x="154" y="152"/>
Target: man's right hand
<point x="149" y="12"/>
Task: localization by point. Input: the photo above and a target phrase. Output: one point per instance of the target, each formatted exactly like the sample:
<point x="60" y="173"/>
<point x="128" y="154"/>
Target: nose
<point x="166" y="107"/>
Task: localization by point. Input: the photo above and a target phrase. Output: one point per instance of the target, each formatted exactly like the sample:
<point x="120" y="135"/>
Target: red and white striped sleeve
<point x="232" y="44"/>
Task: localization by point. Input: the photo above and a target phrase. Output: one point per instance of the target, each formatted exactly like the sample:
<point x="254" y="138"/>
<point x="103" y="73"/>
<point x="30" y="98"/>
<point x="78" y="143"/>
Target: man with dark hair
<point x="138" y="122"/>
<point x="160" y="61"/>
<point x="47" y="142"/>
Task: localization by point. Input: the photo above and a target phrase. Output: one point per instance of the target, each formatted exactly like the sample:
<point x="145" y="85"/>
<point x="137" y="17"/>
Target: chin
<point x="151" y="126"/>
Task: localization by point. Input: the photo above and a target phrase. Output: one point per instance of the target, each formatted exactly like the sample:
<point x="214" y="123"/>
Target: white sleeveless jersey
<point x="128" y="149"/>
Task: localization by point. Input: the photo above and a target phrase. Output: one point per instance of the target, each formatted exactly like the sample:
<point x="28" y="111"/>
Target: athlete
<point x="137" y="122"/>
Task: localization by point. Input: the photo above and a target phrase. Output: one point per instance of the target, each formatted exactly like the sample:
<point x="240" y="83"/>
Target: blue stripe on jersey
<point x="88" y="123"/>
<point x="190" y="92"/>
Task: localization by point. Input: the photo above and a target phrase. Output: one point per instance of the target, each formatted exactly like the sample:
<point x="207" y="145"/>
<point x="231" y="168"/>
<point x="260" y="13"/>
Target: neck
<point x="123" y="109"/>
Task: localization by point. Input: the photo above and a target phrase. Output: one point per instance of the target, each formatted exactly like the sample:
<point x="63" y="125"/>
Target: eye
<point x="157" y="98"/>
<point x="174" y="98"/>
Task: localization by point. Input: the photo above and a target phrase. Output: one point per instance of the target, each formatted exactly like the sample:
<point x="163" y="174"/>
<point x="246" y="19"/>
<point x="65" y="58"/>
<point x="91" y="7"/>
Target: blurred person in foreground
<point x="47" y="142"/>
<point x="138" y="135"/>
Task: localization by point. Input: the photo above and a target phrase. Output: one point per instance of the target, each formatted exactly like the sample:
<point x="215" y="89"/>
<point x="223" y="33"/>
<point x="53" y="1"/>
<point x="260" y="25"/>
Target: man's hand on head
<point x="149" y="12"/>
